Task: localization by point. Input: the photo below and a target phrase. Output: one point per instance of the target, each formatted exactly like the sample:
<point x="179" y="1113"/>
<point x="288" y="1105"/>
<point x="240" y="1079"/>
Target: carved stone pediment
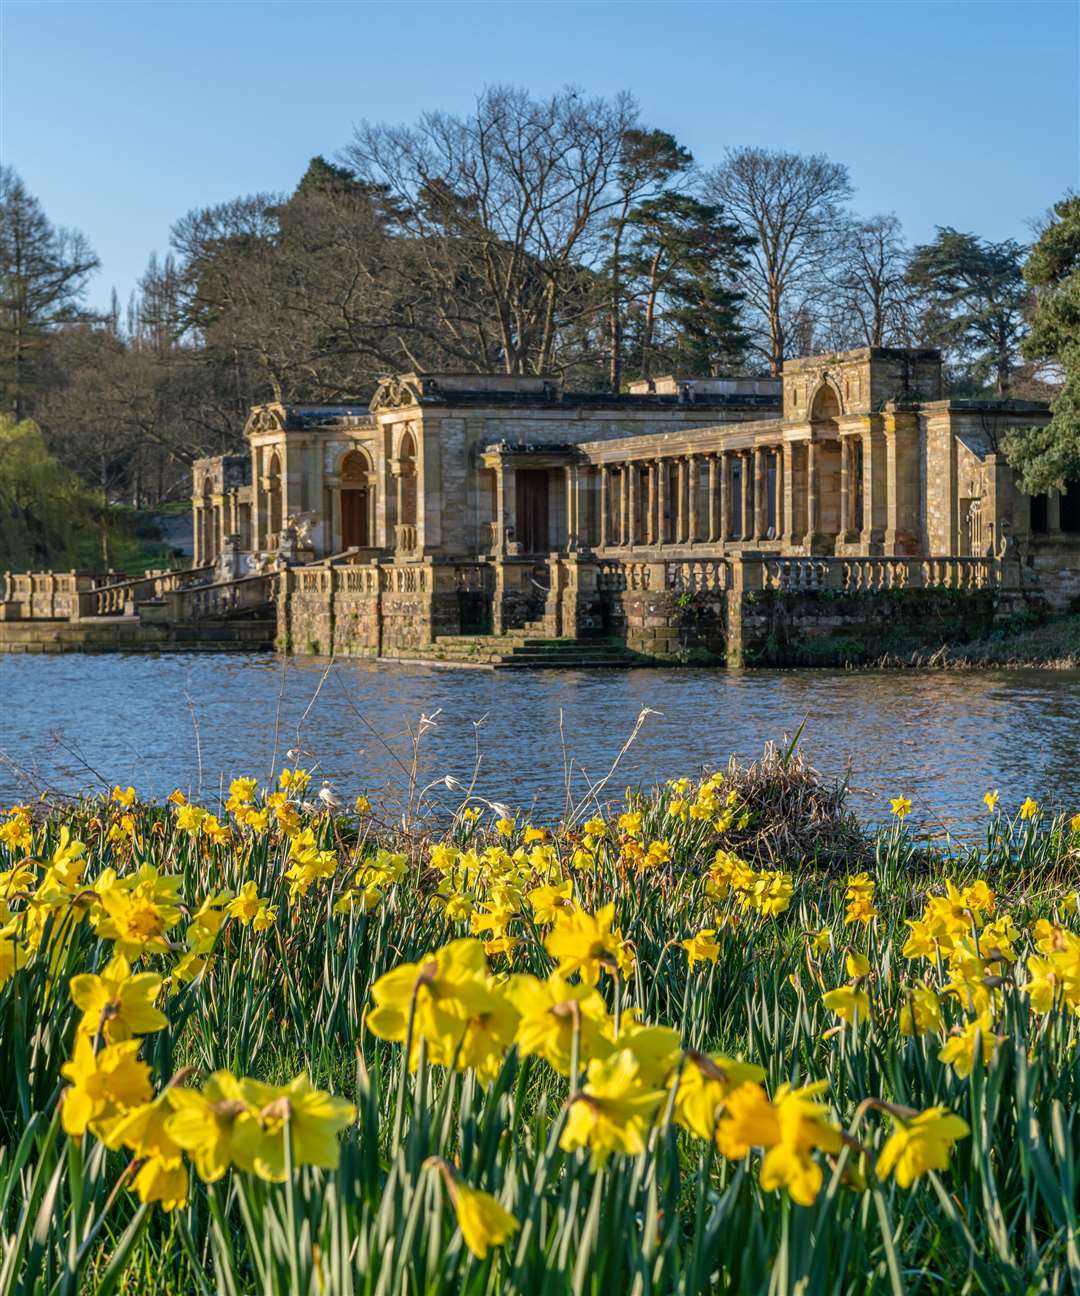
<point x="265" y="418"/>
<point x="397" y="391"/>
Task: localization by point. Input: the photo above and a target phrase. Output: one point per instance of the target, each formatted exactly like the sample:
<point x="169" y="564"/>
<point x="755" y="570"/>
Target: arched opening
<point x="824" y="492"/>
<point x="826" y="407"/>
<point x="273" y="500"/>
<point x="208" y="523"/>
<point x="355" y="501"/>
<point x="407" y="481"/>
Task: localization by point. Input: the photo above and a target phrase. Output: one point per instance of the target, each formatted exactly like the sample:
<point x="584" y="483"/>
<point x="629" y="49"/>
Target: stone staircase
<point x="525" y="648"/>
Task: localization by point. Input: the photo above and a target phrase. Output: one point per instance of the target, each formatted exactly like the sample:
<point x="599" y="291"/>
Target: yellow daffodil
<point x="116" y="1003"/>
<point x="701" y="948"/>
<point x="614" y="1110"/>
<point x="921" y="1011"/>
<point x="313" y="1117"/>
<point x="703" y="1084"/>
<point x="442" y="993"/>
<point x="920" y="1144"/>
<point x="104" y="1085"/>
<point x="484" y="1223"/>
<point x="207" y="1124"/>
<point x="584" y="943"/>
<point x="849" y="1003"/>
<point x="900" y="806"/>
<point x="550" y="1011"/>
<point x="975" y="1042"/>
<point x="1028" y="808"/>
<point x="789" y="1129"/>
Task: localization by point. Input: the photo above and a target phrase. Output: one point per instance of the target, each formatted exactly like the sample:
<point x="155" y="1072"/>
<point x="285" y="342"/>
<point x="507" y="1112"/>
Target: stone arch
<point x="407" y="483"/>
<point x="825" y="410"/>
<point x="208" y="522"/>
<point x="355" y="499"/>
<point x="826" y="406"/>
<point x="273" y="496"/>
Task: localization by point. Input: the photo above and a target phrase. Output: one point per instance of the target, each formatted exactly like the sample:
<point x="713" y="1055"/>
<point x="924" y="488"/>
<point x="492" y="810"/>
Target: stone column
<point x="788" y="495"/>
<point x="661" y="501"/>
<point x="571" y="475"/>
<point x="605" y="504"/>
<point x="713" y="520"/>
<point x="649" y="528"/>
<point x="747" y="495"/>
<point x="724" y="521"/>
<point x="902" y="483"/>
<point x="624" y="506"/>
<point x="693" y="489"/>
<point x="634" y="502"/>
<point x="811" y="492"/>
<point x="680" y="501"/>
<point x="505" y="505"/>
<point x="845" y="486"/>
<point x="761" y="483"/>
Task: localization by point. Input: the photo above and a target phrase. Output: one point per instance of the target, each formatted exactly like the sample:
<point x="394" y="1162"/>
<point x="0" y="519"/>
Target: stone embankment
<point x="572" y="611"/>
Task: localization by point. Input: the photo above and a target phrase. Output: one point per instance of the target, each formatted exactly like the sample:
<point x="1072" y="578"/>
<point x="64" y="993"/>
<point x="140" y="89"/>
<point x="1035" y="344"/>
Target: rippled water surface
<point x="75" y="722"/>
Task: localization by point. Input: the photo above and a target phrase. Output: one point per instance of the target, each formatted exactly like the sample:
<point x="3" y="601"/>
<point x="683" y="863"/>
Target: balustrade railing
<point x="405" y="538"/>
<point x="615" y="576"/>
<point x="799" y="573"/>
<point x="226" y="598"/>
<point x="697" y="575"/>
<point x="356" y="579"/>
<point x="873" y="575"/>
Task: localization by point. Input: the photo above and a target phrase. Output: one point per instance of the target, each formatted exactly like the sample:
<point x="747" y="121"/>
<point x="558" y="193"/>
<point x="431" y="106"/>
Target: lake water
<point x="84" y="722"/>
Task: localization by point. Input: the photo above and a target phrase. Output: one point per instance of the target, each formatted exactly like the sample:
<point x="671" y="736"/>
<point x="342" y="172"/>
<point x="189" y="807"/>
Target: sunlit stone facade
<point x="856" y="453"/>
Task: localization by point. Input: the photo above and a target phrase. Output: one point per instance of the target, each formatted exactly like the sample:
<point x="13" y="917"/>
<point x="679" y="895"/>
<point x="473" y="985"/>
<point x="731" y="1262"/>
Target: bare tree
<point x="503" y="209"/>
<point x="871" y="302"/>
<point x="790" y="205"/>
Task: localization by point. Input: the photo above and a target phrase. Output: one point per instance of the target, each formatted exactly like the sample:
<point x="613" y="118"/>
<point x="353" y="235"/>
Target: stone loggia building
<point x="488" y="505"/>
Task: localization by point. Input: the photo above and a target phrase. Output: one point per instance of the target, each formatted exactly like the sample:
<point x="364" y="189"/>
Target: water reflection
<point x="76" y="722"/>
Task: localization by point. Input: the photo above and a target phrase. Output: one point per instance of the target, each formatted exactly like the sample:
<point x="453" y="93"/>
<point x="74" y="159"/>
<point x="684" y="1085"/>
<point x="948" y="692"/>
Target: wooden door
<point x="532" y="510"/>
<point x="354" y="519"/>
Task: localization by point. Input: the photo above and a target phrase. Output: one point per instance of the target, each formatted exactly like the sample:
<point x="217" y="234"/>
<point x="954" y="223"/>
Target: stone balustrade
<point x="874" y="575"/>
<point x="195" y="603"/>
<point x="405" y="538"/>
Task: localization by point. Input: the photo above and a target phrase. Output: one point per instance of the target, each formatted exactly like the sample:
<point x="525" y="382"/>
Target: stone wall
<point x="669" y="627"/>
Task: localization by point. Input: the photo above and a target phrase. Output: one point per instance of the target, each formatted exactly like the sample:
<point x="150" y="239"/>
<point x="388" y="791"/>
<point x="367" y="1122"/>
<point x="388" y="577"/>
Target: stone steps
<point x="524" y="652"/>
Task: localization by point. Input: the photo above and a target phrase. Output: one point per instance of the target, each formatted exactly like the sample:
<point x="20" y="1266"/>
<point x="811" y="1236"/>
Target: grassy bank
<point x="716" y="1037"/>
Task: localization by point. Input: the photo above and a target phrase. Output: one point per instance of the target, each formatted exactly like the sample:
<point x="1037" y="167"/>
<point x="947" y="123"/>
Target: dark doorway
<point x="354" y="518"/>
<point x="532" y="510"/>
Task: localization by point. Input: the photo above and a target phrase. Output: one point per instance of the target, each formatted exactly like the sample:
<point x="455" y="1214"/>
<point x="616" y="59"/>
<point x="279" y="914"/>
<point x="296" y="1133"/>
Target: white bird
<point x="328" y="799"/>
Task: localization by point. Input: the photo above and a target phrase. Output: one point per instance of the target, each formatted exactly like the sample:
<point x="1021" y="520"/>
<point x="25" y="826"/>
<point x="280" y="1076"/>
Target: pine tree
<point x="43" y="276"/>
<point x="1049" y="457"/>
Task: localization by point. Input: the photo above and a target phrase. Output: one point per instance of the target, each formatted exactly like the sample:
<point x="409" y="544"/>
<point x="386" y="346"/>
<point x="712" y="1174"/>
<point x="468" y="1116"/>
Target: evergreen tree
<point x="976" y="295"/>
<point x="682" y="261"/>
<point x="43" y="276"/>
<point x="1049" y="457"/>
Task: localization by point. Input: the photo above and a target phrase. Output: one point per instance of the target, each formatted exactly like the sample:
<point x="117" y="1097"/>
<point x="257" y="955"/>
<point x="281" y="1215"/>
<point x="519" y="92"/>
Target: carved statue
<point x="301" y="524"/>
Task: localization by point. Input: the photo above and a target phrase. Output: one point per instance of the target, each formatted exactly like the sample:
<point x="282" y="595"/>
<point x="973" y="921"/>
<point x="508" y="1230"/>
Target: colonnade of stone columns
<point x="696" y="498"/>
<point x="215" y="518"/>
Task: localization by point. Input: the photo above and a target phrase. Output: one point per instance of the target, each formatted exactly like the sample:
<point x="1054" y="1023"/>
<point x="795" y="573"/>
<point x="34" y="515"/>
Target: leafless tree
<point x="870" y="302"/>
<point x="503" y="210"/>
<point x="790" y="205"/>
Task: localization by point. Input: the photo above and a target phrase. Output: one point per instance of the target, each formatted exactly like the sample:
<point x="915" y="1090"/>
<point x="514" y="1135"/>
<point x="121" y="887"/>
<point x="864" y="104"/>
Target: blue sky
<point x="121" y="116"/>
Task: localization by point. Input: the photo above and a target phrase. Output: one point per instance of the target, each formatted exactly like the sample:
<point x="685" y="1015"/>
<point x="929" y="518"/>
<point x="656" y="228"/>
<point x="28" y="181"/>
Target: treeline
<point x="558" y="235"/>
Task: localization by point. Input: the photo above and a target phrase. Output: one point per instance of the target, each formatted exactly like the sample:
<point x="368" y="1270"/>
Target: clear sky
<point x="121" y="116"/>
